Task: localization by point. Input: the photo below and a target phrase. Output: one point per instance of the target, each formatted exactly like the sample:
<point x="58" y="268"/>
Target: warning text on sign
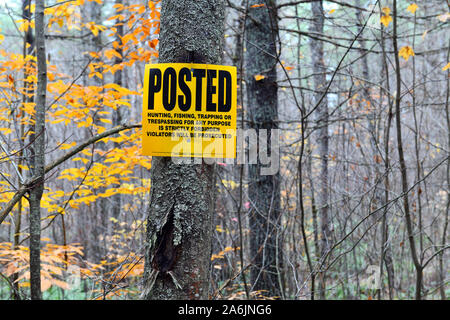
<point x="189" y="110"/>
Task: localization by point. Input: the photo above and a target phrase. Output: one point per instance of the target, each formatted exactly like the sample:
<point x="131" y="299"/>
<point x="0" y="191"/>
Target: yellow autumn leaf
<point x="412" y="8"/>
<point x="32" y="8"/>
<point x="216" y="256"/>
<point x="105" y="120"/>
<point x="94" y="54"/>
<point x="446" y="67"/>
<point x="385" y="20"/>
<point x="259" y="77"/>
<point x="406" y="52"/>
<point x="5" y="130"/>
<point x="110" y="53"/>
<point x="24" y="24"/>
<point x="66" y="146"/>
<point x="331" y="11"/>
<point x="228" y="249"/>
<point x="386" y="11"/>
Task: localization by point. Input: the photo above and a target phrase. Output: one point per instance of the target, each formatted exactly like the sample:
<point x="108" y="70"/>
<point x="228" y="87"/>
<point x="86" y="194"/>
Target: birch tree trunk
<point x="179" y="225"/>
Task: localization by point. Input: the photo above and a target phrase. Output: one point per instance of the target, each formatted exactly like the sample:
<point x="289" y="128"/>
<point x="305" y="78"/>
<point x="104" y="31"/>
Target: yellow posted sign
<point x="189" y="110"/>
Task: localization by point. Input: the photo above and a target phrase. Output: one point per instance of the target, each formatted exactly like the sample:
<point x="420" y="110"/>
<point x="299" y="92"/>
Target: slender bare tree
<point x="320" y="84"/>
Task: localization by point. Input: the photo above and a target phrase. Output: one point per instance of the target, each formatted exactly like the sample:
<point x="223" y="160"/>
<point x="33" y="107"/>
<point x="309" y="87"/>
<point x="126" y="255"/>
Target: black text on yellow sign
<point x="189" y="110"/>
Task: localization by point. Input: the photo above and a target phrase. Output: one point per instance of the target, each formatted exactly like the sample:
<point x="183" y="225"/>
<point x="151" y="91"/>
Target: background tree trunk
<point x="117" y="118"/>
<point x="317" y="55"/>
<point x="263" y="190"/>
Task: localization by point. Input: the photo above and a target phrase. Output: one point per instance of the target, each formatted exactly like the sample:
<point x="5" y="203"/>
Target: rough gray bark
<point x="263" y="190"/>
<point x="179" y="225"/>
<point x="317" y="54"/>
<point x="38" y="167"/>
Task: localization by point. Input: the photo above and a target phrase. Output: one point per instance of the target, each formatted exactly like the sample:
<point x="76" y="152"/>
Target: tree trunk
<point x="38" y="156"/>
<point x="317" y="54"/>
<point x="443" y="262"/>
<point x="386" y="250"/>
<point x="28" y="48"/>
<point x="116" y="200"/>
<point x="263" y="190"/>
<point x="179" y="225"/>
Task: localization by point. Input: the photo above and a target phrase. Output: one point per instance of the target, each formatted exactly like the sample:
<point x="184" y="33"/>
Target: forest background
<point x="359" y="209"/>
